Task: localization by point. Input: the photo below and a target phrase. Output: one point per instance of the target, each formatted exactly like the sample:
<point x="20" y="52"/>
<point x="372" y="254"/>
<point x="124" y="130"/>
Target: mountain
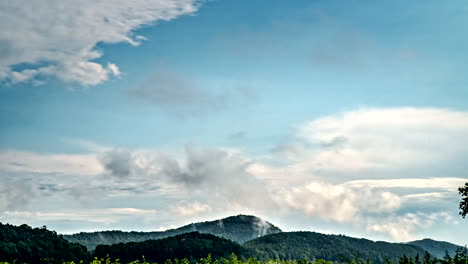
<point x="436" y="248"/>
<point x="311" y="245"/>
<point x="192" y="246"/>
<point x="33" y="245"/>
<point x="240" y="228"/>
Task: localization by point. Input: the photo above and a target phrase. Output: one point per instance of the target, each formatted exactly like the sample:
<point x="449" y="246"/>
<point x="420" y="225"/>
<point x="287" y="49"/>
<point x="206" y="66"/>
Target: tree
<point x="464" y="202"/>
<point x="447" y="258"/>
<point x="427" y="259"/>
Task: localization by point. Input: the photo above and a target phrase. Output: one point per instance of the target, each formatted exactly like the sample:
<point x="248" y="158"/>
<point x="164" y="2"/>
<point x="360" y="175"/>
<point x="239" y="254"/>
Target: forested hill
<point x="311" y="245"/>
<point x="192" y="246"/>
<point x="436" y="248"/>
<point x="240" y="228"/>
<point x="26" y="244"/>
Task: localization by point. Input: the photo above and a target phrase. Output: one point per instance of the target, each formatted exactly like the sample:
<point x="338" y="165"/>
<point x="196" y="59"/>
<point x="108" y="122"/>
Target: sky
<point x="340" y="117"/>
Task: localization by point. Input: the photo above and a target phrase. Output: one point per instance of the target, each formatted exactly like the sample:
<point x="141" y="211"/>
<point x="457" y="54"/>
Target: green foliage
<point x="460" y="258"/>
<point x="464" y="202"/>
<point x="35" y="245"/>
<point x="190" y="246"/>
<point x="240" y="229"/>
<point x="311" y="246"/>
<point x="23" y="244"/>
<point x="437" y="249"/>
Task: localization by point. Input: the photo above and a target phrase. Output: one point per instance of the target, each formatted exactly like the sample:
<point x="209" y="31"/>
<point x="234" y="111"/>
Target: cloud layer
<point x="59" y="38"/>
<point x="372" y="169"/>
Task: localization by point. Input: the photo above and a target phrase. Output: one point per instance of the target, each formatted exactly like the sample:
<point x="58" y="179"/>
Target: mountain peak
<point x="436" y="248"/>
<point x="239" y="228"/>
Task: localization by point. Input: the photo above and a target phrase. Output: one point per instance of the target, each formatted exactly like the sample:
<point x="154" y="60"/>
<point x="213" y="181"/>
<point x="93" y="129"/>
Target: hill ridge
<point x="239" y="228"/>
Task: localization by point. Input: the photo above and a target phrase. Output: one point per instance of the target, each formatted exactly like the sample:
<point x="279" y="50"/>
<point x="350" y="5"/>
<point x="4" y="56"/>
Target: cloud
<point x="338" y="202"/>
<point x="427" y="183"/>
<point x="371" y="169"/>
<point x="81" y="164"/>
<point x="182" y="96"/>
<point x="221" y="173"/>
<point x="190" y="209"/>
<point x="389" y="138"/>
<point x="14" y="194"/>
<point x="372" y="163"/>
<point x="59" y="38"/>
<point x="118" y="163"/>
<point x="103" y="216"/>
<point x="401" y="228"/>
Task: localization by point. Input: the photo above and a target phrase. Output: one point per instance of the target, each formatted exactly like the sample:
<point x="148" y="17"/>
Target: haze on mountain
<point x="436" y="248"/>
<point x="240" y="228"/>
<point x="262" y="240"/>
<point x="244" y="235"/>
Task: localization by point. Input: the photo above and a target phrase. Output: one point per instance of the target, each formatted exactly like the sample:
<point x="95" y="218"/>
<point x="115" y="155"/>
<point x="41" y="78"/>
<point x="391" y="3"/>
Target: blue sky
<point x="340" y="117"/>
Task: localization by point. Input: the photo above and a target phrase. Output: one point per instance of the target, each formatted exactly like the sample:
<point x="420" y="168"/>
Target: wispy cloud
<point x="59" y="38"/>
<point x="179" y="95"/>
<point x="190" y="209"/>
<point x="81" y="164"/>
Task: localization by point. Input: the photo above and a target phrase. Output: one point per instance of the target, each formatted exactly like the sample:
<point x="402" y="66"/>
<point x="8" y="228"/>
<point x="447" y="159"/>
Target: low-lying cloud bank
<point x="385" y="171"/>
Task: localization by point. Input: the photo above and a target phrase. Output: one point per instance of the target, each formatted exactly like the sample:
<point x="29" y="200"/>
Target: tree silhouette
<point x="464" y="202"/>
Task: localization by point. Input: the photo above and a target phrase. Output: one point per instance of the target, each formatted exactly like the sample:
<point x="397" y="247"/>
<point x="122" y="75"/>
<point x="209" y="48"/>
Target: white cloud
<point x="220" y="173"/>
<point x="337" y="202"/>
<point x="386" y="138"/>
<point x="103" y="215"/>
<point x="401" y="228"/>
<point x="80" y="164"/>
<point x="165" y="228"/>
<point x="373" y="189"/>
<point x="372" y="162"/>
<point x="59" y="38"/>
<point x="436" y="183"/>
<point x="190" y="209"/>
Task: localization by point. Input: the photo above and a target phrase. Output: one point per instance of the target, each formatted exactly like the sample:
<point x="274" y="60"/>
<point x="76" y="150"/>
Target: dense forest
<point x="240" y="228"/>
<point x="191" y="246"/>
<point x="437" y="248"/>
<point x="311" y="245"/>
<point x="26" y="244"/>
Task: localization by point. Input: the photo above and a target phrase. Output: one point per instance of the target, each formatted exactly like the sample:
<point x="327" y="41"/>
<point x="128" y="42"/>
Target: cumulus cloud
<point x="338" y="202"/>
<point x="221" y="173"/>
<point x="372" y="162"/>
<point x="118" y="163"/>
<point x="376" y="138"/>
<point x="384" y="185"/>
<point x="59" y="38"/>
<point x="401" y="228"/>
<point x="182" y="96"/>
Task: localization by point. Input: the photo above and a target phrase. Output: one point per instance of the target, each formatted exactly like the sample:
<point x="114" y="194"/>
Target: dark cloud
<point x="336" y="142"/>
<point x="176" y="94"/>
<point x="207" y="172"/>
<point x="49" y="188"/>
<point x="222" y="174"/>
<point x="119" y="163"/>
